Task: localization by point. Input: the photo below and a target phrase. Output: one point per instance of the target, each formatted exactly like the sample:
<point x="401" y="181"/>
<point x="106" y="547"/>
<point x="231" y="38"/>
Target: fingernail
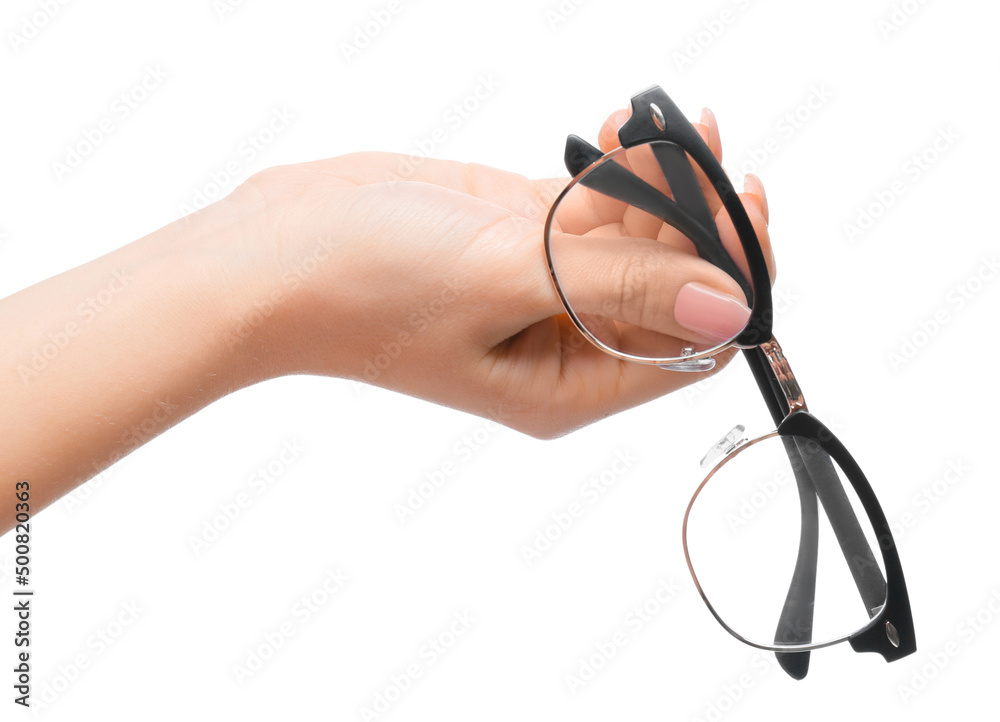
<point x="713" y="314"/>
<point x="752" y="184"/>
<point x="707" y="118"/>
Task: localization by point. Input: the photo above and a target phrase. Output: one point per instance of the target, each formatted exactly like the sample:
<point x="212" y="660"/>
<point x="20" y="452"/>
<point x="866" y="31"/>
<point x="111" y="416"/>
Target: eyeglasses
<point x="780" y="572"/>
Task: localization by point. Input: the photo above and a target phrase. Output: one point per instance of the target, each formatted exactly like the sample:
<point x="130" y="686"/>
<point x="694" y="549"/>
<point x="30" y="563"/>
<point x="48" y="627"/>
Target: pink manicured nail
<point x="715" y="315"/>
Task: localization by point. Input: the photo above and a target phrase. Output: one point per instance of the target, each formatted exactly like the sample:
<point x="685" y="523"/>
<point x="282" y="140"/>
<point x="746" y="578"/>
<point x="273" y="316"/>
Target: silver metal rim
<point x="704" y="597"/>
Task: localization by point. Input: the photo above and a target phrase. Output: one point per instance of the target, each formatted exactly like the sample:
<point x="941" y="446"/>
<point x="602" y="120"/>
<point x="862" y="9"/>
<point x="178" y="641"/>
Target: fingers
<point x="586" y="210"/>
<point x="755" y="201"/>
<point x="753" y="185"/>
<point x="607" y="137"/>
<point x="709" y="130"/>
<point x="642" y="164"/>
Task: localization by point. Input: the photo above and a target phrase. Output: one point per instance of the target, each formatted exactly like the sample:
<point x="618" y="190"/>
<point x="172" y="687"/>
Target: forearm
<point x="102" y="358"/>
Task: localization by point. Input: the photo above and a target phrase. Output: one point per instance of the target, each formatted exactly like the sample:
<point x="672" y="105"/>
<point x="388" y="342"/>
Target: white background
<point x="897" y="75"/>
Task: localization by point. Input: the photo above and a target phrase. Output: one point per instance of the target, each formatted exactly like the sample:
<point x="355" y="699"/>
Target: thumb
<point x="646" y="297"/>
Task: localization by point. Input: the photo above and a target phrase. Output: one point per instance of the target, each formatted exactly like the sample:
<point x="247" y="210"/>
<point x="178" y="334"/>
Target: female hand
<point x="428" y="277"/>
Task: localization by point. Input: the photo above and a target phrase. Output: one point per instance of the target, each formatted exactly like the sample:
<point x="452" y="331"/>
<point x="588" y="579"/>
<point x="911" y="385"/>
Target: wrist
<point x="120" y="349"/>
<point x="287" y="298"/>
<point x="204" y="269"/>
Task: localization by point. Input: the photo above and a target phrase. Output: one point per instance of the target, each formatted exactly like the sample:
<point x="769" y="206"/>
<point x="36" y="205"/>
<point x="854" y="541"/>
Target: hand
<point x="428" y="277"/>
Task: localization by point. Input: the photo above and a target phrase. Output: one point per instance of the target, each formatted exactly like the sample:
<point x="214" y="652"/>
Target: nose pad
<point x="724" y="446"/>
<point x="692" y="366"/>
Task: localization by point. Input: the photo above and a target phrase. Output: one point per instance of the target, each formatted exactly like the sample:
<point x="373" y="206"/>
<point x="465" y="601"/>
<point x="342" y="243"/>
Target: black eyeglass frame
<point x="656" y="119"/>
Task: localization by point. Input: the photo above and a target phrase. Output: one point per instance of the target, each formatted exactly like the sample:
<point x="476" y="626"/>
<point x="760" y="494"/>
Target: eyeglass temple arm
<point x="815" y="476"/>
<point x="655" y="117"/>
<point x="836" y="504"/>
<point x="857" y="553"/>
<point x="616" y="181"/>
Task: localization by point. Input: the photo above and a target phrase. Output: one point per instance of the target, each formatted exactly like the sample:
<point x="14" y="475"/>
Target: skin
<point x="364" y="267"/>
